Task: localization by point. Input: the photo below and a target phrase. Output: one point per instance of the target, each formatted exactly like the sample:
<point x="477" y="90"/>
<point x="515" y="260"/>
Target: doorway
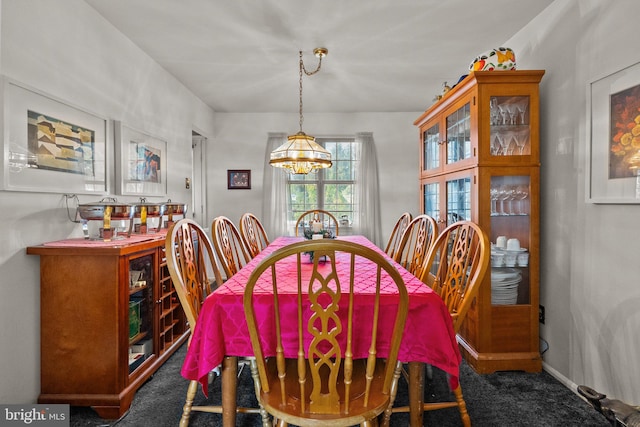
<point x="199" y="179"/>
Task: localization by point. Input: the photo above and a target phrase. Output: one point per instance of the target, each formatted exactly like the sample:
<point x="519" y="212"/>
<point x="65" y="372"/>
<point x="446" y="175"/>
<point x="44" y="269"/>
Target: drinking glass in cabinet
<point x="522" y="195"/>
<point x="505" y="138"/>
<point x="507" y="200"/>
<point x="495" y="146"/>
<point x="521" y="109"/>
<point x="521" y="138"/>
<point x="509" y="121"/>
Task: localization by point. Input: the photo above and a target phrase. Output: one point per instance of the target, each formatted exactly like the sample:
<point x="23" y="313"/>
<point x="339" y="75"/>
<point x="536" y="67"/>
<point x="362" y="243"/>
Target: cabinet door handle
<point x="159" y="301"/>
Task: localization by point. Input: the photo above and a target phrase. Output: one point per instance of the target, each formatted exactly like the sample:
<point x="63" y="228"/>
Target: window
<point x="331" y="189"/>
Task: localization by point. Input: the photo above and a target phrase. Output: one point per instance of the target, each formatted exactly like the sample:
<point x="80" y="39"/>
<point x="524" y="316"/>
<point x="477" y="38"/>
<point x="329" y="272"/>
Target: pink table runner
<point x="222" y="330"/>
<point x="113" y="243"/>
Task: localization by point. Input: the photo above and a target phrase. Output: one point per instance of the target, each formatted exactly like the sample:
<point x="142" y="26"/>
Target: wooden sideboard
<point x="109" y="318"/>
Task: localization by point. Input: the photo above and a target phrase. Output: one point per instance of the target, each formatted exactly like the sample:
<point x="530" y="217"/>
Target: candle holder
<point x="310" y="234"/>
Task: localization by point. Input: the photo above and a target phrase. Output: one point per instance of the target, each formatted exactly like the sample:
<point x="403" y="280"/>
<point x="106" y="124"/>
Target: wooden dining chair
<point x="415" y="244"/>
<point x="194" y="272"/>
<point x="396" y="235"/>
<point x="253" y="234"/>
<point x="456" y="266"/>
<point x="319" y="382"/>
<point x="328" y="221"/>
<point x="230" y="248"/>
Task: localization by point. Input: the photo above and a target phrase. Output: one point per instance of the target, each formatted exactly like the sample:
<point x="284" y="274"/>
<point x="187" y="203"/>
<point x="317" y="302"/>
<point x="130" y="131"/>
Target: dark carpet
<point x="499" y="399"/>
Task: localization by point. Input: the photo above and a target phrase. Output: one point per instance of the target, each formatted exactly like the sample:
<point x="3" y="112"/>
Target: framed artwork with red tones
<point x="613" y="157"/>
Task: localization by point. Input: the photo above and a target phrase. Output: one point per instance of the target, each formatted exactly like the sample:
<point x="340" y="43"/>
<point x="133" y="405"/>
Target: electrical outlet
<point x="541" y="314"/>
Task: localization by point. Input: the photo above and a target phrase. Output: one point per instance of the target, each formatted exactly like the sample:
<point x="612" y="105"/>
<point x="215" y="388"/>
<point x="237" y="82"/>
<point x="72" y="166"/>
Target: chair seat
<point x="272" y="401"/>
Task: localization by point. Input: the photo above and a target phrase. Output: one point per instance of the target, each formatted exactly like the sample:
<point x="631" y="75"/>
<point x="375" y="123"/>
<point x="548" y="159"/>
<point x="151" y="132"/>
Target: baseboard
<point x="564" y="380"/>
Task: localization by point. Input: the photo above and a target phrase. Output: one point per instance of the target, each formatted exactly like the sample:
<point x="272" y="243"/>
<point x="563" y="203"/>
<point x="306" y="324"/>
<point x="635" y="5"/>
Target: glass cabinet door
<point x="431" y="148"/>
<point x="447" y="141"/>
<point x="431" y="200"/>
<point x="458" y="200"/>
<point x="510" y="239"/>
<point x="141" y="305"/>
<point x="510" y="125"/>
<point x="459" y="134"/>
<point x="448" y="199"/>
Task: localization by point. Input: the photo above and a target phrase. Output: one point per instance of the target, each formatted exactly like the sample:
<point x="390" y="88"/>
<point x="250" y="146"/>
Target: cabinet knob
<point x="159" y="301"/>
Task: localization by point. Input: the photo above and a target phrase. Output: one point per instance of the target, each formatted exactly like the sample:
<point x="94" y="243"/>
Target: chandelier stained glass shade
<point x="300" y="154"/>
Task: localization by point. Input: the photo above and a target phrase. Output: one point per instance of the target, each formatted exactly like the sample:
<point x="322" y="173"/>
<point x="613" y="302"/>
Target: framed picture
<point x="51" y="146"/>
<point x="141" y="163"/>
<point x="613" y="157"/>
<point x="238" y="179"/>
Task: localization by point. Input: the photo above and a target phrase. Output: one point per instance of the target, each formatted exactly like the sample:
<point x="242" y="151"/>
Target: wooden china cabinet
<point x="480" y="161"/>
<point x="109" y="318"/>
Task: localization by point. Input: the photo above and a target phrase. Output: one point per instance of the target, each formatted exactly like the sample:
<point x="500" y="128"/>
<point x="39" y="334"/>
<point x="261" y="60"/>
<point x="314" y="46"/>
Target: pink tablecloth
<point x="222" y="330"/>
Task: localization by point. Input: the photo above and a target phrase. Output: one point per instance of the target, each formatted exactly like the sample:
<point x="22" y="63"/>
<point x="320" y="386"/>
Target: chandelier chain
<point x="301" y="69"/>
<point x="308" y="73"/>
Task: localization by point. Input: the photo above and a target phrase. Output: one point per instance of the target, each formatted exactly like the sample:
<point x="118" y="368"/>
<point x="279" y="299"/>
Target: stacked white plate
<point x="504" y="285"/>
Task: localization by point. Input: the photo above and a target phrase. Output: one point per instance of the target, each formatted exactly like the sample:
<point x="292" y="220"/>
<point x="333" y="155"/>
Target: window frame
<point x="320" y="180"/>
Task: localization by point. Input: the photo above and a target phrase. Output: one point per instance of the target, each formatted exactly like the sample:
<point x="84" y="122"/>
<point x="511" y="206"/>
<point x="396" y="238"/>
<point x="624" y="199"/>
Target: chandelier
<point x="301" y="154"/>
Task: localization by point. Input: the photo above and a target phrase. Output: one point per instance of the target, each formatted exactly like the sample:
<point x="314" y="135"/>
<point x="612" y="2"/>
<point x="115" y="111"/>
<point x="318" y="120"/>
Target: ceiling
<point x="384" y="55"/>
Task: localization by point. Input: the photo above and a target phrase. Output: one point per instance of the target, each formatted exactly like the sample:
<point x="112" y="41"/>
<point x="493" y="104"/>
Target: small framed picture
<point x="238" y="179"/>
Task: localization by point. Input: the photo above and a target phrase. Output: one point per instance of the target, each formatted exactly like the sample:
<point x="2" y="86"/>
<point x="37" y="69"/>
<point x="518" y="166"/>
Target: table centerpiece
<point x="317" y="233"/>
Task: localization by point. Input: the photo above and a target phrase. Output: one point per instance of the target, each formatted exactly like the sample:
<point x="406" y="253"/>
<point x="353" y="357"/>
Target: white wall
<point x="242" y="139"/>
<point x="65" y="49"/>
<point x="589" y="254"/>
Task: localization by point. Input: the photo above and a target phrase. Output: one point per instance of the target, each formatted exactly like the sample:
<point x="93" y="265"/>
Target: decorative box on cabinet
<point x="94" y="352"/>
<point x="480" y="161"/>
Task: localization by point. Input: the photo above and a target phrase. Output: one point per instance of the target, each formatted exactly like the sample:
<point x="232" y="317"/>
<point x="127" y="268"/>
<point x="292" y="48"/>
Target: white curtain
<point x="274" y="195"/>
<point x="369" y="223"/>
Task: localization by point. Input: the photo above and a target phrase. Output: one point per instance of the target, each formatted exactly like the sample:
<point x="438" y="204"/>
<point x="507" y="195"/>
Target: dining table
<point x="221" y="334"/>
